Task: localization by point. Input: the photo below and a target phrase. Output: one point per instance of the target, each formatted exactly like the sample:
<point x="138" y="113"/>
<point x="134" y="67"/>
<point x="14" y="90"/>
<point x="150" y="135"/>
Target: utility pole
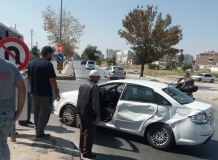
<point x="60" y="28"/>
<point x="31" y="43"/>
<point x="60" y="23"/>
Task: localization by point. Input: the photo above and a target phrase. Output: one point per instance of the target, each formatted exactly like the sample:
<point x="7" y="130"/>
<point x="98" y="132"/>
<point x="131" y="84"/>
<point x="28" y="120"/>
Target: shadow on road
<point x="203" y="151"/>
<point x="111" y="139"/>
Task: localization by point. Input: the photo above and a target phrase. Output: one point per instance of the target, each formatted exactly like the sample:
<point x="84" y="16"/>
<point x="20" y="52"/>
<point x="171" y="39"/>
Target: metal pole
<point x="60" y="27"/>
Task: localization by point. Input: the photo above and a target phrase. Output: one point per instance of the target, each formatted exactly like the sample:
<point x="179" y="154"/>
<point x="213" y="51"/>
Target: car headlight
<point x="200" y="118"/>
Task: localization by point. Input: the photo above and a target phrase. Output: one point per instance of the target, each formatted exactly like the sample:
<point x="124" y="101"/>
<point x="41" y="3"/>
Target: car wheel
<point x="160" y="136"/>
<point x="199" y="79"/>
<point x="211" y="81"/>
<point x="109" y="76"/>
<point x="69" y="116"/>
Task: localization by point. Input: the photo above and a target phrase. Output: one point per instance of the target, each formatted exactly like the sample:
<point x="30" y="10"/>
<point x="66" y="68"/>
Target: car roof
<point x="146" y="83"/>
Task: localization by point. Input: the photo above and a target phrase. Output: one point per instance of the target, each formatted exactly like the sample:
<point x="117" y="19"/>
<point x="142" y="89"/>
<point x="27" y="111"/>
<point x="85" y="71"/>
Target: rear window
<point x="118" y="68"/>
<point x="90" y="62"/>
<point x="178" y="95"/>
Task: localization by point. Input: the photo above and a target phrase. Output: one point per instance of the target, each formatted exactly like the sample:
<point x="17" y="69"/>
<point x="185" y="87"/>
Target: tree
<point x="89" y="53"/>
<point x="34" y="52"/>
<point x="149" y="35"/>
<point x="186" y="66"/>
<point x="111" y="61"/>
<point x="181" y="58"/>
<point x="71" y="29"/>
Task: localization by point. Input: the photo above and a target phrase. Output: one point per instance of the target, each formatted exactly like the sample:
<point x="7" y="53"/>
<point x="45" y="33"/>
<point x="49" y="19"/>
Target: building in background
<point x="125" y="57"/>
<point x="188" y="59"/>
<point x="207" y="58"/>
<point x="111" y="53"/>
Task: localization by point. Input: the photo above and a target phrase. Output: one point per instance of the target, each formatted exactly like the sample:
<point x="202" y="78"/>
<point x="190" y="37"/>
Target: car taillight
<point x="113" y="72"/>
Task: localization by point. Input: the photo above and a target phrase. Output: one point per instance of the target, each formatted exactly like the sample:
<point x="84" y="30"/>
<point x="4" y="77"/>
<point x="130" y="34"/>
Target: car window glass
<point x="162" y="101"/>
<point x="139" y="94"/>
<point x="118" y="68"/>
<point x="90" y="62"/>
<point x="208" y="75"/>
<point x="178" y="95"/>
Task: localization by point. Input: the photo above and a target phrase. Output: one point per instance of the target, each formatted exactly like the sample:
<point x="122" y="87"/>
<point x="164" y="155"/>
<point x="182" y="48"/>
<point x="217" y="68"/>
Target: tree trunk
<point x="142" y="69"/>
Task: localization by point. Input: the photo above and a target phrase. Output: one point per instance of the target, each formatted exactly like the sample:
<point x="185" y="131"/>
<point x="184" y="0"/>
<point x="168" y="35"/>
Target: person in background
<point x="88" y="108"/>
<point x="187" y="81"/>
<point x="10" y="78"/>
<point x="29" y="109"/>
<point x="42" y="79"/>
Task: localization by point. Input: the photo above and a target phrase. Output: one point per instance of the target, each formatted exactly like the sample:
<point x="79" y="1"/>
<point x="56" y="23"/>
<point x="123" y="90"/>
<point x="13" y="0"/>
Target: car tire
<point x="109" y="76"/>
<point x="212" y="80"/>
<point x="160" y="136"/>
<point x="199" y="79"/>
<point x="68" y="116"/>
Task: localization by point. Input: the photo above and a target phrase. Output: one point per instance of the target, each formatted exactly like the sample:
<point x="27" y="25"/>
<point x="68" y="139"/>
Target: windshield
<point x="90" y="62"/>
<point x="178" y="95"/>
<point x="200" y="74"/>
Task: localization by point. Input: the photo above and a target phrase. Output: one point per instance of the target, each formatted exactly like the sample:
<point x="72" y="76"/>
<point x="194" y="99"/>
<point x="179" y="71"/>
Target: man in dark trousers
<point x="88" y="107"/>
<point x="42" y="79"/>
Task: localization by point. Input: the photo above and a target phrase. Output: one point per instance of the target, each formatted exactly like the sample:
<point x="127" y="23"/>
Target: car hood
<point x="70" y="94"/>
<point x="198" y="105"/>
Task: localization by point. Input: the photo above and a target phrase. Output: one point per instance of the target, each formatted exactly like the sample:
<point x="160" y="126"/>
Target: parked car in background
<point x="158" y="112"/>
<point x="90" y="64"/>
<point x="115" y="72"/>
<point x="204" y="77"/>
<point x="83" y="63"/>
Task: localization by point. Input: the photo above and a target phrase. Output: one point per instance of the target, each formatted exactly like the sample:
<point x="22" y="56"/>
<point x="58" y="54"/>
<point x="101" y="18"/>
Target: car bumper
<point x="118" y="75"/>
<point x="188" y="133"/>
<point x="57" y="106"/>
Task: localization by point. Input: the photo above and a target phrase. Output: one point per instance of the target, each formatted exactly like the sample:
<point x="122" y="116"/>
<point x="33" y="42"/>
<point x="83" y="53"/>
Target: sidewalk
<point x="27" y="147"/>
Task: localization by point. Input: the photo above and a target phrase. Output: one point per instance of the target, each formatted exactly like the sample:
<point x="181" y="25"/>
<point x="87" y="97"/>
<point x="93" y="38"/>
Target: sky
<point x="198" y="20"/>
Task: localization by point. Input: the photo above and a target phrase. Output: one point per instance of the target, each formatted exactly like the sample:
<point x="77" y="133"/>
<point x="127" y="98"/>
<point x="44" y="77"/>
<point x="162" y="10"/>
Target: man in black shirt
<point x="42" y="79"/>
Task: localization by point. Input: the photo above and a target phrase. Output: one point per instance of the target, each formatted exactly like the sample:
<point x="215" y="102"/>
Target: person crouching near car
<point x="88" y="108"/>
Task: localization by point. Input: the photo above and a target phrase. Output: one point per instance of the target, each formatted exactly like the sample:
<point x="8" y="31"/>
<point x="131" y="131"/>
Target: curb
<point x="66" y="77"/>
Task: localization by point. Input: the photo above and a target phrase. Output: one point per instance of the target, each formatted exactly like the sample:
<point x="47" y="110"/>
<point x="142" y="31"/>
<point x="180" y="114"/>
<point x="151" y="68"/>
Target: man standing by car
<point x="42" y="79"/>
<point x="9" y="78"/>
<point x="88" y="107"/>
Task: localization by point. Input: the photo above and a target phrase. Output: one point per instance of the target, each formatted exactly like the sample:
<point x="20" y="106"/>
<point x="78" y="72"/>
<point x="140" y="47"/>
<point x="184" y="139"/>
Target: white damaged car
<point x="158" y="112"/>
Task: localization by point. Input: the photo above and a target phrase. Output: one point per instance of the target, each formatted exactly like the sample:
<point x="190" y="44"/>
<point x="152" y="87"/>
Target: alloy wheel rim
<point x="160" y="137"/>
<point x="68" y="115"/>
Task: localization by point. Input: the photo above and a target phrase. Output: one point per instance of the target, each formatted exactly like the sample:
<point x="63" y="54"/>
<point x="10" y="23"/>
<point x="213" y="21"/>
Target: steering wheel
<point x="106" y="97"/>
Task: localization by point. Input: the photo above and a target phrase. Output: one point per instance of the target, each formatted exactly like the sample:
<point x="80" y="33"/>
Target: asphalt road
<point x="114" y="145"/>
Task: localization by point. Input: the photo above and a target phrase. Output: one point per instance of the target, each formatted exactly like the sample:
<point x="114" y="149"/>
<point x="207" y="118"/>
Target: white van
<point x="90" y="64"/>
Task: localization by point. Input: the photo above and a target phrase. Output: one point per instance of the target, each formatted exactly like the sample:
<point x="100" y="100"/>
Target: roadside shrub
<point x="186" y="66"/>
<point x="152" y="66"/>
<point x="111" y="61"/>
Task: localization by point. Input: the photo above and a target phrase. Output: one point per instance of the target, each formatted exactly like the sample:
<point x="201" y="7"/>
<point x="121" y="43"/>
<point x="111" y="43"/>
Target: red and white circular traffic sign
<point x="58" y="48"/>
<point x="16" y="51"/>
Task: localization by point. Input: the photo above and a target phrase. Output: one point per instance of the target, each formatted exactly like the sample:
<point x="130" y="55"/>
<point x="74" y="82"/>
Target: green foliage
<point x="186" y="66"/>
<point x="34" y="52"/>
<point x="98" y="62"/>
<point x="152" y="66"/>
<point x="111" y="61"/>
<point x="150" y="35"/>
<point x="89" y="53"/>
<point x="170" y="65"/>
<point x="181" y="58"/>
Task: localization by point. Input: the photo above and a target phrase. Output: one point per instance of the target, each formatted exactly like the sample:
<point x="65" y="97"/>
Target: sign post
<point x="16" y="51"/>
<point x="59" y="51"/>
